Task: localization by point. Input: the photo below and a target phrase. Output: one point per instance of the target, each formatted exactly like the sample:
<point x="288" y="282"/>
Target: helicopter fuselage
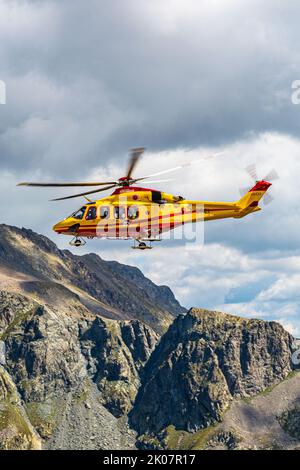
<point x="144" y="214"/>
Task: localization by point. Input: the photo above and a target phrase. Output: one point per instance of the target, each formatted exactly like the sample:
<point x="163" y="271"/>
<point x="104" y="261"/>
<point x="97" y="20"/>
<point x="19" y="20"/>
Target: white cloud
<point x="287" y="287"/>
<point x="211" y="274"/>
<point x="208" y="275"/>
<point x="87" y="80"/>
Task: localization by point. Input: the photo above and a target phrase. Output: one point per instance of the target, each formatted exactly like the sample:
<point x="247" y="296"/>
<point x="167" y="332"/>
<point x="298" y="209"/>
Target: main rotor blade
<point x="65" y="185"/>
<point x="85" y="194"/>
<point x="163" y="172"/>
<point x="135" y="156"/>
<point x="179" y="167"/>
<point x="160" y="181"/>
<point x="272" y="176"/>
<point x="251" y="170"/>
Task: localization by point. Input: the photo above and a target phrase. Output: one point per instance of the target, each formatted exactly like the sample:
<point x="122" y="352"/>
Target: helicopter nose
<point x="57" y="227"/>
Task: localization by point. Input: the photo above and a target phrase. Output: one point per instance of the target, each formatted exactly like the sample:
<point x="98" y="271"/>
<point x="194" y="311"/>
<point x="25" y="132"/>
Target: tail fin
<point x="252" y="197"/>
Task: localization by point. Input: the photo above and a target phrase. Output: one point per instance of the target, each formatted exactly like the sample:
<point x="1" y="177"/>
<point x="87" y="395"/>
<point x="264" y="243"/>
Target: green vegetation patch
<point x="183" y="440"/>
<point x="19" y="317"/>
<point x="44" y="416"/>
<point x="81" y="396"/>
<point x="14" y="430"/>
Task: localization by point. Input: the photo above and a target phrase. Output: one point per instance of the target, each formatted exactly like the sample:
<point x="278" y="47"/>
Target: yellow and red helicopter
<point x="143" y="214"/>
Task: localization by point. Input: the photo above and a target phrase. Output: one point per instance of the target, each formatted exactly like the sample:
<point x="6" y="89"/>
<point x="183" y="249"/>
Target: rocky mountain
<point x="81" y="370"/>
<point x="70" y="369"/>
<point x="16" y="431"/>
<point x="204" y="361"/>
<point x="32" y="264"/>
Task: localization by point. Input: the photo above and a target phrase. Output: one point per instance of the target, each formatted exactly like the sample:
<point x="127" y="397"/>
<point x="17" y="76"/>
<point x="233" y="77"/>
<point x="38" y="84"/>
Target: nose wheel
<point x="76" y="241"/>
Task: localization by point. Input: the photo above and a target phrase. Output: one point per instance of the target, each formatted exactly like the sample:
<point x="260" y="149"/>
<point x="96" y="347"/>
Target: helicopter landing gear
<point x="77" y="242"/>
<point x="138" y="245"/>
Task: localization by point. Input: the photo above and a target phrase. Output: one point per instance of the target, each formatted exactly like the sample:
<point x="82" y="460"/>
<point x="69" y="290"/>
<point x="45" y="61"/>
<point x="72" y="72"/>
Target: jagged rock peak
<point x="204" y="360"/>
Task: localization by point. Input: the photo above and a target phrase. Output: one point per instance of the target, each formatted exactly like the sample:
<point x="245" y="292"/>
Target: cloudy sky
<point x="86" y="80"/>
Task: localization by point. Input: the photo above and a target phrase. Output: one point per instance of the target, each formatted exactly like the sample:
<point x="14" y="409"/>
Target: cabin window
<point x="156" y="197"/>
<point x="104" y="212"/>
<point x="92" y="213"/>
<point x="79" y="214"/>
<point x="120" y="212"/>
<point x="133" y="212"/>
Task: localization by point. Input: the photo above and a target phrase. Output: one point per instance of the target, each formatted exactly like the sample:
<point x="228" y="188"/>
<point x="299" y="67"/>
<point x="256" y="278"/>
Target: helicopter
<point x="143" y="214"/>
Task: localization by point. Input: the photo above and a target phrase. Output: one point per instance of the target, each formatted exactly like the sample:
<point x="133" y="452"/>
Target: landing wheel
<point x="77" y="242"/>
<point x="141" y="245"/>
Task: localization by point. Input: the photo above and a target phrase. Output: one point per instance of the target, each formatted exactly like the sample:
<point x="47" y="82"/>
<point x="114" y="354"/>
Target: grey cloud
<point x="100" y="77"/>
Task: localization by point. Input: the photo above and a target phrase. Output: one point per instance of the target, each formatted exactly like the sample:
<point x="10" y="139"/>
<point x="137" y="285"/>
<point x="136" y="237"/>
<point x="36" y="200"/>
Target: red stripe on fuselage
<point x="92" y="227"/>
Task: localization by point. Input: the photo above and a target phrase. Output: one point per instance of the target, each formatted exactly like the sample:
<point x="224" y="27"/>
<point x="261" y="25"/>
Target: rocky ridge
<point x="204" y="361"/>
<point x="32" y="264"/>
<point x="52" y="356"/>
<point x="89" y="373"/>
<point x="16" y="430"/>
<point x="75" y="368"/>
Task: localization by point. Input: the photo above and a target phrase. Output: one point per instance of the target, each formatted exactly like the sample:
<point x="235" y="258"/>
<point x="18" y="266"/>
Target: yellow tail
<point x="252" y="197"/>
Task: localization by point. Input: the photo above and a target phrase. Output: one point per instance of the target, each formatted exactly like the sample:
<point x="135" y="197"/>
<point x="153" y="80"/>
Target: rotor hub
<point x="125" y="181"/>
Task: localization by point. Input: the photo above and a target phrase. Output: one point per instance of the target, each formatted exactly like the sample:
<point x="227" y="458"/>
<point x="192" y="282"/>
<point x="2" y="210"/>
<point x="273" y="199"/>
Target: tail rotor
<point x="272" y="175"/>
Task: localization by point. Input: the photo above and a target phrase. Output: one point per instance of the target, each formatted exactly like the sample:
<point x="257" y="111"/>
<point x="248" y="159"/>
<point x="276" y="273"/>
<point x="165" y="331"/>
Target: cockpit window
<point x="79" y="214"/>
<point x="92" y="213"/>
